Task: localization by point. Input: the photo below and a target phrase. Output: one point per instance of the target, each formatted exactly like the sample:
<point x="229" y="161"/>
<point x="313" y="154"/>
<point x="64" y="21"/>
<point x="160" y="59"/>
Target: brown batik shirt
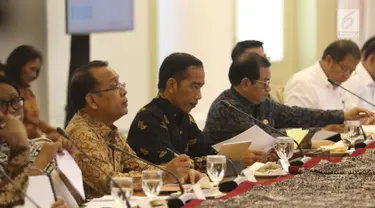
<point x="93" y="137"/>
<point x="14" y="165"/>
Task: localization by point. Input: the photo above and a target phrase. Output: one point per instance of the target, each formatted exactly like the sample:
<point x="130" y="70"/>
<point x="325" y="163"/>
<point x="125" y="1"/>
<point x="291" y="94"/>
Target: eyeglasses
<point x="345" y="70"/>
<point x="16" y="104"/>
<point x="120" y="85"/>
<point x="266" y="84"/>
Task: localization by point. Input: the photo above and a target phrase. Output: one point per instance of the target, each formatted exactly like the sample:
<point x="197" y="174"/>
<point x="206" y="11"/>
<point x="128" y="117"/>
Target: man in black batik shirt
<point x="250" y="77"/>
<point x="165" y="122"/>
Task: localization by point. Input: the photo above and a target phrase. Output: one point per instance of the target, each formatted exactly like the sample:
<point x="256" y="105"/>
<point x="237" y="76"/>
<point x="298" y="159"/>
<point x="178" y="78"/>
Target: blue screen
<point x="87" y="16"/>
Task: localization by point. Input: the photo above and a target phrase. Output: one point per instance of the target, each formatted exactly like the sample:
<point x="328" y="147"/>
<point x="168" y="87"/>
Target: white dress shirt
<point x="363" y="85"/>
<point x="310" y="88"/>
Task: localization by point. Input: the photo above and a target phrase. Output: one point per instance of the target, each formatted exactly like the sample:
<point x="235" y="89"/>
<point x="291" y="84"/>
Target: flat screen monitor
<point x="89" y="16"/>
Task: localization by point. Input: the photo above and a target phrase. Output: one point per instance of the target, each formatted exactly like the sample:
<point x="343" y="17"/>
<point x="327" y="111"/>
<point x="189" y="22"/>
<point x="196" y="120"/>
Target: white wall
<point x="17" y="32"/>
<point x="205" y="30"/>
<point x="126" y="52"/>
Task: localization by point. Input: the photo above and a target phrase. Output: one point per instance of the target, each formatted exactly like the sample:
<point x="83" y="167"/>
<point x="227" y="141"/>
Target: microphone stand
<point x="17" y="187"/>
<point x="62" y="133"/>
<point x="258" y="121"/>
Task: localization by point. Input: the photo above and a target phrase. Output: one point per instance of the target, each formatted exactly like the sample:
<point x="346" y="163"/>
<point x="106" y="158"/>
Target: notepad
<point x="71" y="170"/>
<point x="40" y="190"/>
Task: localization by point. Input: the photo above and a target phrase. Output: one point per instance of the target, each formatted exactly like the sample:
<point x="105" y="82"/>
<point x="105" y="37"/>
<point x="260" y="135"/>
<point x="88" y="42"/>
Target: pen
<point x="173" y="152"/>
<point x="176" y="154"/>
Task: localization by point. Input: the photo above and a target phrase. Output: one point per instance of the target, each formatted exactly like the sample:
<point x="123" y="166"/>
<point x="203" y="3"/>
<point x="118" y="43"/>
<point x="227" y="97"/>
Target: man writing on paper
<point x="250" y="76"/>
<point x="100" y="100"/>
<point x="165" y="122"/>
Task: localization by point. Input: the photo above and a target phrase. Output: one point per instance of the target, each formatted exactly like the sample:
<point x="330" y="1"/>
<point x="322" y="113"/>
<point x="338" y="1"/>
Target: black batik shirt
<point x="160" y="125"/>
<point x="224" y="122"/>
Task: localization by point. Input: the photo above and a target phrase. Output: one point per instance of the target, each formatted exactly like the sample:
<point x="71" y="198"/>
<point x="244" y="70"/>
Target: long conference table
<point x="324" y="182"/>
<point x="328" y="182"/>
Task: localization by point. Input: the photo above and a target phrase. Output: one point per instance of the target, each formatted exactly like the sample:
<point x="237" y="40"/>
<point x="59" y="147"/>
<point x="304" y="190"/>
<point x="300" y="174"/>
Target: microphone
<point x="172" y="202"/>
<point x="16" y="186"/>
<point x="258" y="121"/>
<point x="229" y="186"/>
<point x="62" y="133"/>
<point x="333" y="82"/>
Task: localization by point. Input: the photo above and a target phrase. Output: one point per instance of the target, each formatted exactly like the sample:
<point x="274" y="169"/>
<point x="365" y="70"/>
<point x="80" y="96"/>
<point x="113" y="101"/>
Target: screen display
<point x="87" y="16"/>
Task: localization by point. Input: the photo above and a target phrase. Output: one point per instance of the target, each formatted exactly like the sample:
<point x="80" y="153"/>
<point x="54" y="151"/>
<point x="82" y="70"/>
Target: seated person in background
<point x="247" y="46"/>
<point x="362" y="82"/>
<point x="2" y="68"/>
<point x="310" y="87"/>
<point x="23" y="67"/>
<point x="165" y="122"/>
<point x="101" y="100"/>
<point x="250" y="76"/>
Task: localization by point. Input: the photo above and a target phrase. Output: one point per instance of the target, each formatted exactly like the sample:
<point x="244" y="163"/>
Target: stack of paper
<point x="259" y="139"/>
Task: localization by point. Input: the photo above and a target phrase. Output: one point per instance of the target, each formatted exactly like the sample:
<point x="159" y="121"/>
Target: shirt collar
<point x="365" y="77"/>
<point x="98" y="126"/>
<point x="168" y="107"/>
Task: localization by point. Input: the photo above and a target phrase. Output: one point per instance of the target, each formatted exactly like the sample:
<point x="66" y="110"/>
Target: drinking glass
<point x="352" y="133"/>
<point x="152" y="182"/>
<point x="122" y="183"/>
<point x="216" y="167"/>
<point x="284" y="147"/>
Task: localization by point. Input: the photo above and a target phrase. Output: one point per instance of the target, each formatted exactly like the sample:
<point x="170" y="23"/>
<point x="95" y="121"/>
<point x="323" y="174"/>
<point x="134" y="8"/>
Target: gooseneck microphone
<point x="17" y="187"/>
<point x="228" y="104"/>
<point x="333" y="82"/>
<point x="62" y="133"/>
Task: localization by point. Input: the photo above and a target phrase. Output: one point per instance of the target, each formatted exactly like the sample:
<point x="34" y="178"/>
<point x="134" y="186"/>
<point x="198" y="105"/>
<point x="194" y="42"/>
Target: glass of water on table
<point x="216" y="167"/>
<point x="152" y="182"/>
<point x="122" y="183"/>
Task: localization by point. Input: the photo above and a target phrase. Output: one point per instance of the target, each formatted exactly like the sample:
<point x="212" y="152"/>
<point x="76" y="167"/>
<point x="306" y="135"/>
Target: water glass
<point x="152" y="182"/>
<point x="284" y="147"/>
<point x="352" y="133"/>
<point x="122" y="183"/>
<point x="216" y="167"/>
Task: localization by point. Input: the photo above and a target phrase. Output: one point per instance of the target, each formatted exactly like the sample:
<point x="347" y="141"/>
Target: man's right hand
<point x="13" y="131"/>
<point x="179" y="166"/>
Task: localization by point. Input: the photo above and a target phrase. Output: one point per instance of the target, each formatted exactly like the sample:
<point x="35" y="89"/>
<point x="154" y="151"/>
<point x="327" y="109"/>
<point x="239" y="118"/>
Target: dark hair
<point x="247" y="65"/>
<point x="175" y="66"/>
<point x="243" y="45"/>
<point x="4" y="80"/>
<point x="17" y="59"/>
<point x="367" y="43"/>
<point x="370" y="49"/>
<point x="342" y="48"/>
<point x="83" y="82"/>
